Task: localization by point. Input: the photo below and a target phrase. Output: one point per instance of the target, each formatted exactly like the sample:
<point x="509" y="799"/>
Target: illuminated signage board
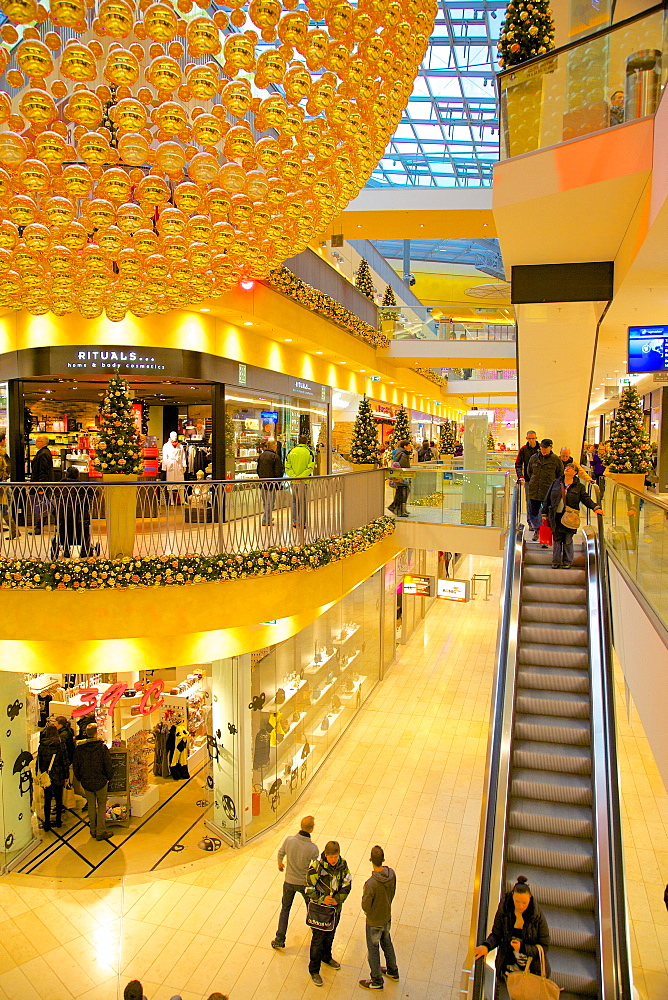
<point x="418" y="586"/>
<point x="454" y="590"/>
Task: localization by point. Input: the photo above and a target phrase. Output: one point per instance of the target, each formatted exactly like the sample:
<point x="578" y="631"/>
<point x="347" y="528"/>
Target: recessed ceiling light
<point x="318" y="352"/>
<point x="247" y="323"/>
<point x="362" y="370"/>
<point x="205" y="310"/>
<point x="288" y="340"/>
<point x="343" y="362"/>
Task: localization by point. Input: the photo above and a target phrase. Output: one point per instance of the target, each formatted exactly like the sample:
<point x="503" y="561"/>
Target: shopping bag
<point x="527" y="986"/>
<point x="545" y="533"/>
<point x="38" y="801"/>
<point x="69" y="796"/>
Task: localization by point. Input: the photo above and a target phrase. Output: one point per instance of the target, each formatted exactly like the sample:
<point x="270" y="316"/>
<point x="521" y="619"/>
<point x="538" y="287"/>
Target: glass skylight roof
<point x="485" y="255"/>
<point x="448" y="136"/>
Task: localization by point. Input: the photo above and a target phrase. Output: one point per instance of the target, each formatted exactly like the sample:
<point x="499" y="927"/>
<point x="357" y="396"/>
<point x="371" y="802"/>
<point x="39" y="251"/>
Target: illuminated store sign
<point x="307" y="390"/>
<point x="454" y="590"/>
<point x="92" y="701"/>
<point x="419" y="586"/>
<point x="115" y="358"/>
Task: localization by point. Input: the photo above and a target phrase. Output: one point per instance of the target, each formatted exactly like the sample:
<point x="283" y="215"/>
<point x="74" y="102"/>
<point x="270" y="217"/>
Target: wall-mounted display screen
<point x="648" y="349"/>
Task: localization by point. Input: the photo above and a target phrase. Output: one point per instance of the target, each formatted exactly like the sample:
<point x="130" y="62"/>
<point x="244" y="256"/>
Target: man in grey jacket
<point x="542" y="469"/>
<point x="300" y="852"/>
<point x="377" y="897"/>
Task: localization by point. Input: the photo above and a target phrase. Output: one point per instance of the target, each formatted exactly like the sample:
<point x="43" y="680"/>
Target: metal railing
<point x="403" y="322"/>
<point x="441" y="494"/>
<point x="148" y="519"/>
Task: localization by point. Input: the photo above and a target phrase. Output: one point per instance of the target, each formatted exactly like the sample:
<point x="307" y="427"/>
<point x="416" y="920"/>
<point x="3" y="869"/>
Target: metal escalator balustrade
<point x="551" y="809"/>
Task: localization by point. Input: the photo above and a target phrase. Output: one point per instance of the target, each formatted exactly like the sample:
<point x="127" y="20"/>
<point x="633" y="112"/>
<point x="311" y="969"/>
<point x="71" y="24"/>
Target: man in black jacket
<point x="269" y="466"/>
<point x="41" y="471"/>
<point x="93" y="769"/>
<point x="526" y="452"/>
<point x="542" y="470"/>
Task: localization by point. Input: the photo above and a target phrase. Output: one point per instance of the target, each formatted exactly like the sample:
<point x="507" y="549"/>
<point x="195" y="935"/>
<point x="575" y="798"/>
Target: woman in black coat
<point x="567" y="491"/>
<point x="519" y="926"/>
<point x="52" y="758"/>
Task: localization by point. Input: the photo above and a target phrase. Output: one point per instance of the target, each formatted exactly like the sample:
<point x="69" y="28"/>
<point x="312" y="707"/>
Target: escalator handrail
<point x="613" y="950"/>
<point x="495" y="790"/>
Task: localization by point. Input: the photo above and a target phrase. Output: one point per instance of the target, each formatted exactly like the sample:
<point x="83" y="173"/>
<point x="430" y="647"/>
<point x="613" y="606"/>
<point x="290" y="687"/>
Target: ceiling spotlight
<point x="205" y="310"/>
<point x="318" y="352"/>
<point x="287" y="340"/>
<point x="247" y="323"/>
<point x="247" y="285"/>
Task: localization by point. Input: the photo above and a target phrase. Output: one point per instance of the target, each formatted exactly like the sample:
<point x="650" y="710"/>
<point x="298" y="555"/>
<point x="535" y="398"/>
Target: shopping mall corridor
<point x="407" y="775"/>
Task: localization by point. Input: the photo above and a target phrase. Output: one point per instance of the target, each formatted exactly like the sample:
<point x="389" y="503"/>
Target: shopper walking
<point x="424" y="452"/>
<point x="52" y="760"/>
<point x="6" y="500"/>
<point x="542" y="469"/>
<point x="300" y="851"/>
<point x="526" y="452"/>
<point x="328" y="882"/>
<point x="299" y="465"/>
<point x="565" y="494"/>
<point x="377" y="897"/>
<point x="73" y="505"/>
<point x="598" y="466"/>
<point x="269" y="467"/>
<point x="519" y="927"/>
<point x="567" y="458"/>
<point x="92" y="768"/>
<point x="401" y="459"/>
<point x="41" y="471"/>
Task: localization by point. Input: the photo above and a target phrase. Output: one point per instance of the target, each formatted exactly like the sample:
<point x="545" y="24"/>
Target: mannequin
<point x="173" y="463"/>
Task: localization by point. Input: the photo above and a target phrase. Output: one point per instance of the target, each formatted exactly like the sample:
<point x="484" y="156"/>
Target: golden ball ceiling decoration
<point x="166" y="151"/>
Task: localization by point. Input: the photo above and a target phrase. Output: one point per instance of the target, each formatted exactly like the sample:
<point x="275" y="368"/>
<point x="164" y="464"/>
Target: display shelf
<point x="356" y="687"/>
<point x="319" y="733"/>
<point x="291" y="728"/>
<point x="323" y="693"/>
<point x="314" y="668"/>
<point x="351" y="660"/>
<point x="290" y="692"/>
<point x="342" y="640"/>
<point x="42" y="683"/>
<point x="141" y="804"/>
<point x="279" y="772"/>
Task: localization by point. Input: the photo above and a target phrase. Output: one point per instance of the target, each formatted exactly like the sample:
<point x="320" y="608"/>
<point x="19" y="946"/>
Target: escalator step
<point x="538" y="556"/>
<point x="551" y="729"/>
<point x="559" y="614"/>
<point x="551" y="757"/>
<point x="554" y="679"/>
<point x="534" y="701"/>
<point x="555" y="635"/>
<point x="544" y="850"/>
<point x="551" y="786"/>
<point x="571" y="928"/>
<point x="558" y="818"/>
<point x="555" y="888"/>
<point x="555" y="577"/>
<point x="546" y="655"/>
<point x="537" y="593"/>
<point x="576" y="971"/>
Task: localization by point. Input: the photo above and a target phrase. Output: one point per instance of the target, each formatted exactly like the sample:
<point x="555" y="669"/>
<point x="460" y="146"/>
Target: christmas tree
<point x="388" y="296"/>
<point x="447" y="438"/>
<point x="364" y="442"/>
<point x="363" y="280"/>
<point x="119" y="448"/>
<point x="528" y="30"/>
<point x="629" y="449"/>
<point x="401" y="430"/>
<point x="490" y="442"/>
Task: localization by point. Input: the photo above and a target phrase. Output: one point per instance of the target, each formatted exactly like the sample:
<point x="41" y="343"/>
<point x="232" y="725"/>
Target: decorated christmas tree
<point x="491" y="445"/>
<point x="118" y="450"/>
<point x="364" y="442"/>
<point x="402" y="429"/>
<point x="629" y="449"/>
<point x="388" y="296"/>
<point x="528" y="30"/>
<point x="447" y="438"/>
<point x="363" y="280"/>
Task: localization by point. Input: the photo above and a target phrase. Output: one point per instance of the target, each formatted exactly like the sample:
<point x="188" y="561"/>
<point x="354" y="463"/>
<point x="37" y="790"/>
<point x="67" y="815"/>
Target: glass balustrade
<point x="439" y="494"/>
<point x="607" y="79"/>
<point x="403" y="322"/>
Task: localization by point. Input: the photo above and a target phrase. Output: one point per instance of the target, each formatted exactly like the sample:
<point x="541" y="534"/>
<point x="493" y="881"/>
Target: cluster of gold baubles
<point x="163" y="152"/>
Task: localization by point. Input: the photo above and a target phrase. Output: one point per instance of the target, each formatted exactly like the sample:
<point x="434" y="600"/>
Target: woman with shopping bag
<point x="51" y="772"/>
<point x="562" y="508"/>
<point x="519" y="933"/>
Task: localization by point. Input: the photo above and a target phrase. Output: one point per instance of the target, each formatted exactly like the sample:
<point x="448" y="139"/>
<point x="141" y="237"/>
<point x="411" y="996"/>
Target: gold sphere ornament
<point x="155" y="153"/>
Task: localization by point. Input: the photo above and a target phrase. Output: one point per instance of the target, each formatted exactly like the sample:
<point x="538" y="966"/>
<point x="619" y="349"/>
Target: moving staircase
<point x="552" y="797"/>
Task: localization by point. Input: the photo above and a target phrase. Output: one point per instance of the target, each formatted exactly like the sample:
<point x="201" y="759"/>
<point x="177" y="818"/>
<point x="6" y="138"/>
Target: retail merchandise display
<point x="207" y="151"/>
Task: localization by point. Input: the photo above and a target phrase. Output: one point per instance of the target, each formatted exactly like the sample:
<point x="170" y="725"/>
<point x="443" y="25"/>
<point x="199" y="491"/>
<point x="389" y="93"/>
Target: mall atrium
<point x="334" y="493"/>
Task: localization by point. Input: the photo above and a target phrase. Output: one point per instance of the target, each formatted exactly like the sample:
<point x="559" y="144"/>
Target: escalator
<point x="551" y="809"/>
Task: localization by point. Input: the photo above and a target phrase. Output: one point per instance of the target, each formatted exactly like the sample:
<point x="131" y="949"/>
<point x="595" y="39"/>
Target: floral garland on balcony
<point x="432" y="376"/>
<point x="165" y="571"/>
<point x="281" y="279"/>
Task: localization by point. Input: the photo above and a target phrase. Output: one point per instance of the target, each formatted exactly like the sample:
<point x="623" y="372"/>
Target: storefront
<point x="424" y="426"/>
<point x="221" y="410"/>
<point x="224" y="747"/>
<point x="344" y="411"/>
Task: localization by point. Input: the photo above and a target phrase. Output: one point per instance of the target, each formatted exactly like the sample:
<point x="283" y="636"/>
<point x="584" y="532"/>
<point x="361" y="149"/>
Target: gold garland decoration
<point x="155" y="153"/>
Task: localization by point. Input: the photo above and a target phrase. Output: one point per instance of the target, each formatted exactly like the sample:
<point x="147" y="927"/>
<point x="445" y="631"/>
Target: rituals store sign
<point x="110" y="359"/>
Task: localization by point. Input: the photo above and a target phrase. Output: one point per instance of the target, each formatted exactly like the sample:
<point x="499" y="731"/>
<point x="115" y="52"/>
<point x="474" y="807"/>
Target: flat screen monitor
<point x="648" y="349"/>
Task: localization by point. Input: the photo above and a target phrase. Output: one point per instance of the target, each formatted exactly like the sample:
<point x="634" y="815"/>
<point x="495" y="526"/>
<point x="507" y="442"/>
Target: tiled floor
<point x="644" y="803"/>
<point x="407" y="774"/>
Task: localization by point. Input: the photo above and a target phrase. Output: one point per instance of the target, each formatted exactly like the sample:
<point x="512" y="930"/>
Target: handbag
<point x="43" y="779"/>
<point x="527" y="986"/>
<point x="320" y="916"/>
<point x="570" y="518"/>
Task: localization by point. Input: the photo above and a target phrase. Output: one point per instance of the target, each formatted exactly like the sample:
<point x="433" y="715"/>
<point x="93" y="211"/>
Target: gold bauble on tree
<point x="156" y="153"/>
